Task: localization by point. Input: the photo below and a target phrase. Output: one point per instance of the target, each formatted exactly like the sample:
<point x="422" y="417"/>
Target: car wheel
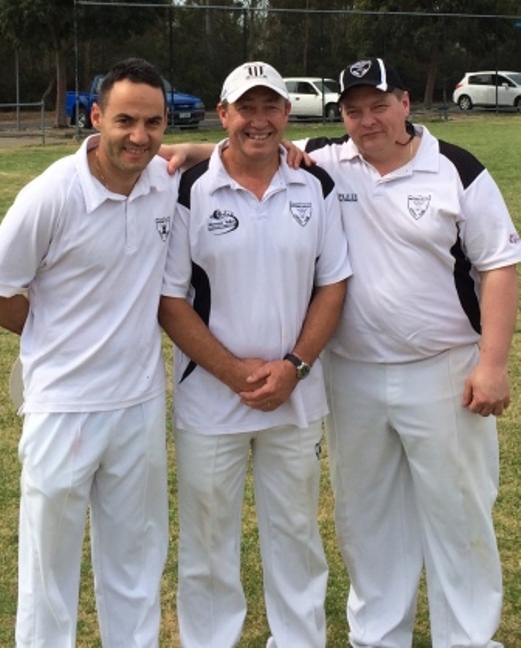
<point x="331" y="112"/>
<point x="465" y="103"/>
<point x="83" y="117"/>
<point x="517" y="103"/>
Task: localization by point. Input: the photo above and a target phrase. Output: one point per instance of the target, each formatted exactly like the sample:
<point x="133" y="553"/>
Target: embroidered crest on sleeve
<point x="418" y="205"/>
<point x="301" y="212"/>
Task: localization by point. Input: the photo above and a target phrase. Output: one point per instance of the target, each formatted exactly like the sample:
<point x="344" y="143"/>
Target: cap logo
<point x="360" y="68"/>
<point x="256" y="71"/>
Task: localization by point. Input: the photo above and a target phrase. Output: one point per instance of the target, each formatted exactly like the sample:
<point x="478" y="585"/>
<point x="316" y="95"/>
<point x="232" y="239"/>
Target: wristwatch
<point x="302" y="367"/>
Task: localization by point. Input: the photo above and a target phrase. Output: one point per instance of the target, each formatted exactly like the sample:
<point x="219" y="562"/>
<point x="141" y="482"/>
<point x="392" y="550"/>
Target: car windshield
<point x="327" y="85"/>
<point x="516" y="77"/>
<point x="168" y="86"/>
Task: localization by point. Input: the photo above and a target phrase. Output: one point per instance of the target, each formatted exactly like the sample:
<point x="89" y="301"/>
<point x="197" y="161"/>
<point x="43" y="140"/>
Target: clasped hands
<point x="263" y="385"/>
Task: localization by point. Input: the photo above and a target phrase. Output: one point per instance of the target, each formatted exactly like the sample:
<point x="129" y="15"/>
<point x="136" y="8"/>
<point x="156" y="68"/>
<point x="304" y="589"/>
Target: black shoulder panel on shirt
<point x="467" y="166"/>
<point x="187" y="180"/>
<point x="315" y="143"/>
<point x="322" y="175"/>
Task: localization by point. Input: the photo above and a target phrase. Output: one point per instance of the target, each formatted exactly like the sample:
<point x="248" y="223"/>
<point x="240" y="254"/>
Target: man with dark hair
<point x="417" y="369"/>
<point x="135" y="70"/>
<point x="82" y="255"/>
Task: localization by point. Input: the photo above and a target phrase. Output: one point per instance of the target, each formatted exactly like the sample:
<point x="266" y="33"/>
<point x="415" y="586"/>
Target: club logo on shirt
<point x="418" y="205"/>
<point x="163" y="227"/>
<point x="301" y="212"/>
<point x="222" y="222"/>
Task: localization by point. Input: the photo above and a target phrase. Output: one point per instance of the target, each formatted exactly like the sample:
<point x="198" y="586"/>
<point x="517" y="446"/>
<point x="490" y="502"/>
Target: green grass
<point x="496" y="140"/>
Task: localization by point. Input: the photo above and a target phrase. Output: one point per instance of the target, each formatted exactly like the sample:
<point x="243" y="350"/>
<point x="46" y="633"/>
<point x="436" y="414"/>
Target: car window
<point x="481" y="79"/>
<point x="516" y="78"/>
<point x="501" y="80"/>
<point x="306" y="88"/>
<point x="291" y="86"/>
<point x="329" y="85"/>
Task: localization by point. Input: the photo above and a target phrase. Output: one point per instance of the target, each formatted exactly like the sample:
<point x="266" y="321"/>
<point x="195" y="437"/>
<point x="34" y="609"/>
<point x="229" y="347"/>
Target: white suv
<point x="479" y="89"/>
<point x="313" y="97"/>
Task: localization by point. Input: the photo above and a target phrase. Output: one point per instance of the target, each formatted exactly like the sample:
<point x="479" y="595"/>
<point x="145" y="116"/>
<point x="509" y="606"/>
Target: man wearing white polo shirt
<point x="418" y="369"/>
<point x="254" y="285"/>
<point x="87" y="242"/>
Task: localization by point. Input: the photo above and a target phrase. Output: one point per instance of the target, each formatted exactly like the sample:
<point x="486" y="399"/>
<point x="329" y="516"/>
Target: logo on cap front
<point x="256" y="71"/>
<point x="360" y="68"/>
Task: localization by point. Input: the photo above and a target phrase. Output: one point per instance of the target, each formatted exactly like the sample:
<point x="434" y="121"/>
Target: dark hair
<point x="135" y="70"/>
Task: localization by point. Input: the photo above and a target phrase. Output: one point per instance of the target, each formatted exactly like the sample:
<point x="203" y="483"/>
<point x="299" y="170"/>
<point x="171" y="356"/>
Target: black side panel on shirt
<point x="187" y="180"/>
<point x="465" y="286"/>
<point x="202" y="304"/>
<point x="315" y="143"/>
<point x="323" y="176"/>
<point x="199" y="281"/>
<point x="468" y="168"/>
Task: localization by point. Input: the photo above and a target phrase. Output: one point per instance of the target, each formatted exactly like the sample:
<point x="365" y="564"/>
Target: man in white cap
<point x="417" y="369"/>
<point x="254" y="286"/>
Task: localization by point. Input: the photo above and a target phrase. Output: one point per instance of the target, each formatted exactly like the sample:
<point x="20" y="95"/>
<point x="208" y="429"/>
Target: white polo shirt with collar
<point x="92" y="263"/>
<point x="249" y="266"/>
<point x="418" y="239"/>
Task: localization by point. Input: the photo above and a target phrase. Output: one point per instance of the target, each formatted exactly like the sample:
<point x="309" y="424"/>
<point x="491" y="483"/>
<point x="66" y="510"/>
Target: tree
<point x="53" y="22"/>
<point x="419" y="44"/>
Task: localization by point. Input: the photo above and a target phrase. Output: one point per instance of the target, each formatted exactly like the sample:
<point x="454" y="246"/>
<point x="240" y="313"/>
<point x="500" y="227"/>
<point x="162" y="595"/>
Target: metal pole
<point x="76" y="73"/>
<point x="42" y="121"/>
<point x="17" y="80"/>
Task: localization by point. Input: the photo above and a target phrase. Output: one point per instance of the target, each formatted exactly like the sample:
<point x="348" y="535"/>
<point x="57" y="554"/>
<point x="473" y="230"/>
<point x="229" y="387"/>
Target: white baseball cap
<point x="251" y="75"/>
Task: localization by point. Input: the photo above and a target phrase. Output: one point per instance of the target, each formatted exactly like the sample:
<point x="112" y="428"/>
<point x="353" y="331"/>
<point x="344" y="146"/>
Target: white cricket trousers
<point x="211" y="474"/>
<point x="115" y="462"/>
<point x="415" y="477"/>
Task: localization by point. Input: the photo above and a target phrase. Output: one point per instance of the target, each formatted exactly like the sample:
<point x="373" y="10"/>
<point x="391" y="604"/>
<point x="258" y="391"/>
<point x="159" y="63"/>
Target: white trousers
<point x="116" y="462"/>
<point x="415" y="477"/>
<point x="211" y="474"/>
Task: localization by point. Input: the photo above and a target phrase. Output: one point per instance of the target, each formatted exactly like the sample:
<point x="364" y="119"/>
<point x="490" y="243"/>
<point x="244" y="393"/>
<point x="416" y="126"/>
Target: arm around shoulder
<point x="13" y="313"/>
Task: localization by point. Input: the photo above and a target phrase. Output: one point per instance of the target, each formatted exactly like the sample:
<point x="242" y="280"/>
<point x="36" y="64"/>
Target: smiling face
<point x="255" y="124"/>
<point x="131" y="125"/>
<point x="375" y="121"/>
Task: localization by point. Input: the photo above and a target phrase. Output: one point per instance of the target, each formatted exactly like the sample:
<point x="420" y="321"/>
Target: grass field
<point x="496" y="140"/>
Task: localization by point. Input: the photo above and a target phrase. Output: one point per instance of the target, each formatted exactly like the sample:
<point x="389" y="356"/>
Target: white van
<point x="313" y="97"/>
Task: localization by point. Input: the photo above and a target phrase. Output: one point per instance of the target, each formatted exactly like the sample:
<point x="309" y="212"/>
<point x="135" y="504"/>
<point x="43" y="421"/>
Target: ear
<point x="406" y="102"/>
<point x="95" y="115"/>
<point x="222" y="113"/>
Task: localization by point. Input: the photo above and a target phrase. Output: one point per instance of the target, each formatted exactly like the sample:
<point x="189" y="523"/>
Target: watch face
<point x="303" y="370"/>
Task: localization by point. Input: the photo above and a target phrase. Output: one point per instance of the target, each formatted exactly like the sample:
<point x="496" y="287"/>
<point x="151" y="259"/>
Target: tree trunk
<point x="60" y="115"/>
<point x="434" y="56"/>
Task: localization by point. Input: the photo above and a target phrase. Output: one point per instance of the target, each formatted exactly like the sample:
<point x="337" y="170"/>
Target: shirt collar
<point x="219" y="177"/>
<point x="96" y="194"/>
<point x="426" y="158"/>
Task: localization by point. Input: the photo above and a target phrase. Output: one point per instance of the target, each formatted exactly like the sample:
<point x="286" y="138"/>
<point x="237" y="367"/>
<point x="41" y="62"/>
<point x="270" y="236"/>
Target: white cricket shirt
<point x="249" y="267"/>
<point x="92" y="262"/>
<point x="418" y="239"/>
